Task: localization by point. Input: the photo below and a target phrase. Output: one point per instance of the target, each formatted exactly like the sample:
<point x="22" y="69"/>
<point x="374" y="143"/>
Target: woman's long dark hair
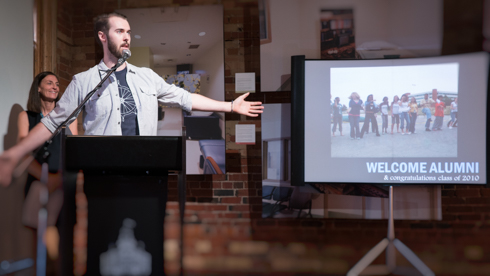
<point x="34" y="100"/>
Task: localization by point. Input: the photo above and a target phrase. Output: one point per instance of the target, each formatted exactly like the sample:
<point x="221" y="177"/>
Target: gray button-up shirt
<point x="102" y="115"/>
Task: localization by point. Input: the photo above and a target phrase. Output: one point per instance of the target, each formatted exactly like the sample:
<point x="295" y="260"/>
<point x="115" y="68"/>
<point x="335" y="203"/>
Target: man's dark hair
<point x="101" y="23"/>
<point x="34" y="100"/>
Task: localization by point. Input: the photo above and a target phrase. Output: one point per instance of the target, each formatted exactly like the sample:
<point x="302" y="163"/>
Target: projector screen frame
<point x="298" y="109"/>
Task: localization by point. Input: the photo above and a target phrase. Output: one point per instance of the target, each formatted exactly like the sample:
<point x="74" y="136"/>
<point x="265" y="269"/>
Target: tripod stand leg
<point x="412" y="258"/>
<point x="368" y="258"/>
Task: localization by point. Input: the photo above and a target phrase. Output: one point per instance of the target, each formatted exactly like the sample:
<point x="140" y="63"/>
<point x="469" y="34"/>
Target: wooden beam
<point x="45" y="32"/>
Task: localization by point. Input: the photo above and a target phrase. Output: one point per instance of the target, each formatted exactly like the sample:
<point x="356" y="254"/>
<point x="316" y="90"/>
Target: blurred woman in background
<point x="43" y="95"/>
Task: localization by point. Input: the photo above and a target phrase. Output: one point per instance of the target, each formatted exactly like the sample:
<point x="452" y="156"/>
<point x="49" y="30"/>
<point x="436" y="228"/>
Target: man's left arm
<point x="239" y="105"/>
<point x="173" y="95"/>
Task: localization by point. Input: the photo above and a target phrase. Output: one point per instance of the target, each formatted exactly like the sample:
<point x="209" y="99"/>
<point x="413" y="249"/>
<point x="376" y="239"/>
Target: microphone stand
<point x="44" y="194"/>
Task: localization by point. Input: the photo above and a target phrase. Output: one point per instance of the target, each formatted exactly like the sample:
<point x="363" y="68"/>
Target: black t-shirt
<point x="129" y="113"/>
<point x="370" y="107"/>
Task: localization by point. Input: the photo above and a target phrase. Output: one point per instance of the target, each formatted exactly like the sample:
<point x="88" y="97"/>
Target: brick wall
<point x="224" y="232"/>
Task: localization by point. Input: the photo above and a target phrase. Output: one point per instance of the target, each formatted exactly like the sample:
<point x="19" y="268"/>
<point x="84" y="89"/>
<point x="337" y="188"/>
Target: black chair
<point x="280" y="195"/>
<point x="267" y="191"/>
<point x="297" y="203"/>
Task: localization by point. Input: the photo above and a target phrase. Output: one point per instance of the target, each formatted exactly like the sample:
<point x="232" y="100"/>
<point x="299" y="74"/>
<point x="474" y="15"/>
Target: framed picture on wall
<point x="337" y="34"/>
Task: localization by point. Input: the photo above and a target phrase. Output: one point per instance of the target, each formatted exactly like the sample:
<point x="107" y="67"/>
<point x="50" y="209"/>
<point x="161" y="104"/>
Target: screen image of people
<point x="391" y="106"/>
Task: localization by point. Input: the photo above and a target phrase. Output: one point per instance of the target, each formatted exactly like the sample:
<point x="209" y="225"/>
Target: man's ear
<point x="102" y="36"/>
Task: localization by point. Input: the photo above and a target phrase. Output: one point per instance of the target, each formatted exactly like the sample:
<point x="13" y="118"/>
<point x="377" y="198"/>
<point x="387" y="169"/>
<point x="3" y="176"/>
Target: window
<point x="277" y="159"/>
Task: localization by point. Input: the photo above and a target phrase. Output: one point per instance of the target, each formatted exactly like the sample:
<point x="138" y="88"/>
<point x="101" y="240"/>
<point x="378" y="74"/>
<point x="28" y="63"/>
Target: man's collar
<point x="103" y="69"/>
<point x="101" y="66"/>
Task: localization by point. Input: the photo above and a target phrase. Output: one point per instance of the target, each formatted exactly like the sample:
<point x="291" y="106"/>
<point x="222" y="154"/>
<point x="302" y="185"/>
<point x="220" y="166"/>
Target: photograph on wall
<point x="190" y="82"/>
<point x="337" y="34"/>
<point x="184" y="45"/>
<point x="391" y="106"/>
<point x="281" y="199"/>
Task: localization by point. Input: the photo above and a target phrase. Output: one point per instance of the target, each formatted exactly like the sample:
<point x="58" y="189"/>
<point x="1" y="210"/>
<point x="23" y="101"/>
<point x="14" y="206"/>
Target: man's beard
<point x="113" y="48"/>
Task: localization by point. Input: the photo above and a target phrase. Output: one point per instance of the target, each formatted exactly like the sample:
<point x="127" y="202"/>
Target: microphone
<point x="126" y="55"/>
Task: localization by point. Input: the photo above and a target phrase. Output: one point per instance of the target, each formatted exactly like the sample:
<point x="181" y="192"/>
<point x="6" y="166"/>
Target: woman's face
<point x="396" y="99"/>
<point x="354" y="97"/>
<point x="49" y="88"/>
<point x="413" y="100"/>
<point x="370" y="98"/>
<point x="456" y="100"/>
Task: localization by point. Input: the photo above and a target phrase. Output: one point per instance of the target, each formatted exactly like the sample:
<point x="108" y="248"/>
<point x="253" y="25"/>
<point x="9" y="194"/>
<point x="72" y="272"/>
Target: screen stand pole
<point x="182" y="197"/>
<point x="389" y="244"/>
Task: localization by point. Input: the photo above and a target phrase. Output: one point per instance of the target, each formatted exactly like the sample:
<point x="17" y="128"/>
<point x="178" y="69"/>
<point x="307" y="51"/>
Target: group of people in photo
<point x="403" y="110"/>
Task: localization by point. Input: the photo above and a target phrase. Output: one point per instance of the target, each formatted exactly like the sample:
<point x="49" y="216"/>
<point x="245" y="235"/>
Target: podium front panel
<point x="123" y="153"/>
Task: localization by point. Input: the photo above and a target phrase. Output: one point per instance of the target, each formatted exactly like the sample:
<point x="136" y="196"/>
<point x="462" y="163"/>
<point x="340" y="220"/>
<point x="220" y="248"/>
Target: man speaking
<point x="127" y="102"/>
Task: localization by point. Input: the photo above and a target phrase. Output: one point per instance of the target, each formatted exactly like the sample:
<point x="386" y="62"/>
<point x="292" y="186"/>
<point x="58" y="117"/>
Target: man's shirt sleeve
<point x="172" y="95"/>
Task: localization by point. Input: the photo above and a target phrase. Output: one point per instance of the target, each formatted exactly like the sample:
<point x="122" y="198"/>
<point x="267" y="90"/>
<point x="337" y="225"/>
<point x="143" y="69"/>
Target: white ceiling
<point x="177" y="28"/>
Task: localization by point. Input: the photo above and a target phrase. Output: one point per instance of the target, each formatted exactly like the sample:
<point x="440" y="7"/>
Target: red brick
<point x="452" y="201"/>
<point x="468" y="193"/>
<point x="232" y="200"/>
<point x="463" y="225"/>
<point x="216" y="185"/>
<point x="218" y="177"/>
<point x="455" y="208"/>
<point x="477" y="200"/>
<point x="195" y="207"/>
<point x="482" y="209"/>
<point x="214" y="207"/>
<point x="207" y="215"/>
<point x="485" y="192"/>
<point x="470" y="217"/>
<point x="242" y="193"/>
<point x="238" y="177"/>
<point x="193" y="185"/>
<point x="239" y="208"/>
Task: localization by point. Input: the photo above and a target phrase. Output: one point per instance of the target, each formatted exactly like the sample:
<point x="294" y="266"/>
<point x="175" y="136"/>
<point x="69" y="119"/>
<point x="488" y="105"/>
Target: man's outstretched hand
<point x="252" y="109"/>
<point x="7" y="166"/>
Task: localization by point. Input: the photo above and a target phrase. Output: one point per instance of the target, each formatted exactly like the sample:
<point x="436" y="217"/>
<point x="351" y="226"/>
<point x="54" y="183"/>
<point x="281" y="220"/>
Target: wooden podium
<point x="125" y="181"/>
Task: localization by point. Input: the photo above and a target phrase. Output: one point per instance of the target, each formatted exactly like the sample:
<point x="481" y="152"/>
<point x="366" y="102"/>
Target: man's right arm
<point x="11" y="157"/>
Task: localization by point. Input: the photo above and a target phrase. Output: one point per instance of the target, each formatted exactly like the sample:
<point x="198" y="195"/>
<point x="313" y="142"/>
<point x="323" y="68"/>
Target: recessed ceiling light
<point x="202" y="33"/>
<point x="137" y="36"/>
<point x="188" y="55"/>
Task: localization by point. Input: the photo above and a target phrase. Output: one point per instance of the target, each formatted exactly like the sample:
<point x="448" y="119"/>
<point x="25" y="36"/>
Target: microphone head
<point x="126" y="53"/>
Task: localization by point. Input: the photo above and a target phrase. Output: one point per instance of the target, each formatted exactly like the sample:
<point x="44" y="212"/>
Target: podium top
<point x="125" y="154"/>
